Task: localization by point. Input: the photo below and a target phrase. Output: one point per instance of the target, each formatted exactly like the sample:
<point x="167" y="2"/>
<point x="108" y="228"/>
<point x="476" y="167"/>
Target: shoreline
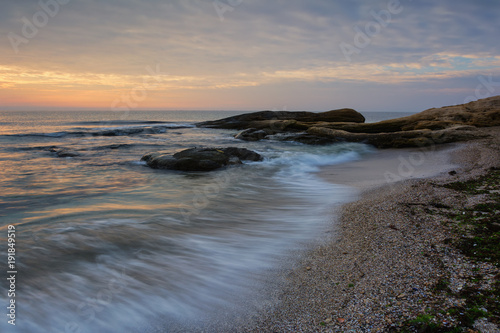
<point x="387" y="253"/>
<point x="391" y="166"/>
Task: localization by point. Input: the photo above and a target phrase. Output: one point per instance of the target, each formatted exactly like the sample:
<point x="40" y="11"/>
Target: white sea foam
<point x="110" y="245"/>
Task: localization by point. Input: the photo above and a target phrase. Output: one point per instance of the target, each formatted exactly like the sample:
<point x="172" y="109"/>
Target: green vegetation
<point x="477" y="236"/>
<point x="424" y="320"/>
<point x="442" y="285"/>
<point x="482" y="185"/>
<point x="479" y="226"/>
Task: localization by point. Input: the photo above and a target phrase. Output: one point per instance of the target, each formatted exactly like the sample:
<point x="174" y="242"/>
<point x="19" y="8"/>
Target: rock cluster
<point x="433" y="126"/>
<point x="200" y="159"/>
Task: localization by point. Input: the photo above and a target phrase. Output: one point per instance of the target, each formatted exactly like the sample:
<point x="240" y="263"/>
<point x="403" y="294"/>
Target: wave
<point x="119" y="131"/>
<point x="299" y="161"/>
<point x="175" y="248"/>
<point x="120" y="122"/>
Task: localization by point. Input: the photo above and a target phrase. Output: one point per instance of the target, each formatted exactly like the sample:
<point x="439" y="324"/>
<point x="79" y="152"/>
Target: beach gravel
<point x="386" y="255"/>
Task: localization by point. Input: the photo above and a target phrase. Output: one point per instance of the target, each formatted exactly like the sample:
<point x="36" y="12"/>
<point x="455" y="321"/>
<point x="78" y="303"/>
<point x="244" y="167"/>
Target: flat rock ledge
<point x="200" y="159"/>
<point x="265" y="118"/>
<point x="433" y="126"/>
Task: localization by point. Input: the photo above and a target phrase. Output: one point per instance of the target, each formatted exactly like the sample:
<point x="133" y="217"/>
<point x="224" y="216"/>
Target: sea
<point x="103" y="243"/>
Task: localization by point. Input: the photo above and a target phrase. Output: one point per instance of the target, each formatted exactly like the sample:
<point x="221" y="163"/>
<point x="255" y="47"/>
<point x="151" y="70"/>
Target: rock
<point x="62" y="152"/>
<point x="481" y="113"/>
<point x="401" y="139"/>
<point x="242" y="153"/>
<point x="67" y="153"/>
<point x="483" y="325"/>
<point x="200" y="159"/>
<point x="119" y="132"/>
<point x="251" y="134"/>
<point x="246" y="120"/>
<point x="429" y="127"/>
<point x="303" y="138"/>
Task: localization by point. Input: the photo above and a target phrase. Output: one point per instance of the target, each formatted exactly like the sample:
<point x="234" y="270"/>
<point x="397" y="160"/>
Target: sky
<point x="396" y="55"/>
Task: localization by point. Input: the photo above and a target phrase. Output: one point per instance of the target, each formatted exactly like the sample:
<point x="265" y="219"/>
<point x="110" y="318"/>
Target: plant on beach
<point x="477" y="236"/>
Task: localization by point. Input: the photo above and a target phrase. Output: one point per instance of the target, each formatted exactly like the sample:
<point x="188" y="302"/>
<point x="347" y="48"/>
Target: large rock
<point x="481" y="113"/>
<point x="200" y="159"/>
<point x="437" y="125"/>
<point x="401" y="139"/>
<point x="248" y="120"/>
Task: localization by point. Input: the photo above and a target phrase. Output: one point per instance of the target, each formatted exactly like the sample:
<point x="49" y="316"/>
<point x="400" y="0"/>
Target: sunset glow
<point x="188" y="55"/>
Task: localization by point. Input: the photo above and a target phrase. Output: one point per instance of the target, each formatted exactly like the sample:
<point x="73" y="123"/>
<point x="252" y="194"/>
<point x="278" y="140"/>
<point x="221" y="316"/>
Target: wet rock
<point x="119" y="132"/>
<point x="61" y="152"/>
<point x="251" y="134"/>
<point x="200" y="159"/>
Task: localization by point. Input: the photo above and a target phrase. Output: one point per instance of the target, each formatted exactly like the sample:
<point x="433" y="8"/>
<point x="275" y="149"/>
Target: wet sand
<point x="389" y="166"/>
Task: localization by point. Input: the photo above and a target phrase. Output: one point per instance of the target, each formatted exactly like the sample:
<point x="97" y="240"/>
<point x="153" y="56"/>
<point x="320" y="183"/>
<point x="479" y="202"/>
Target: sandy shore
<point x="386" y="252"/>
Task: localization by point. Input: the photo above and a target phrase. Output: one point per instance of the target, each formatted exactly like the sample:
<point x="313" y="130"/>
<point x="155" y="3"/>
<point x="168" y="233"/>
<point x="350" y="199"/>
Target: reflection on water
<point x="108" y="245"/>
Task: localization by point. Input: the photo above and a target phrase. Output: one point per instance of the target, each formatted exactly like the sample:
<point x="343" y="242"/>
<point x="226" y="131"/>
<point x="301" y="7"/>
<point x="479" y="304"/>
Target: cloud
<point x="107" y="46"/>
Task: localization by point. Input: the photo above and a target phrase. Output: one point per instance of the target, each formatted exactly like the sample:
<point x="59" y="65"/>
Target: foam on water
<point x="109" y="245"/>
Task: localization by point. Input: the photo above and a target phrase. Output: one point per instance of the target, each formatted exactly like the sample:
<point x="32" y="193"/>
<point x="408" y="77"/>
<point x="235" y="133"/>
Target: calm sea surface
<point x="106" y="244"/>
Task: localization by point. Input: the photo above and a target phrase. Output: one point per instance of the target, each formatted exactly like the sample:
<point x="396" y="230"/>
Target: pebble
<point x="387" y="268"/>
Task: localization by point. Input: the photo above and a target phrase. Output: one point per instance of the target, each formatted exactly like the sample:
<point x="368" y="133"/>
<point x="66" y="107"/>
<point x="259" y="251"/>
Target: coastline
<point x="388" y="250"/>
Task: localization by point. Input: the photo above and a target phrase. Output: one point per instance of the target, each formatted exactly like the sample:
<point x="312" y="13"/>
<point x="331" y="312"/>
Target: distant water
<point x="106" y="244"/>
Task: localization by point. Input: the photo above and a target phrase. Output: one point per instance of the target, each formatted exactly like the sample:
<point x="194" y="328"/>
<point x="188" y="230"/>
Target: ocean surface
<point x="106" y="244"/>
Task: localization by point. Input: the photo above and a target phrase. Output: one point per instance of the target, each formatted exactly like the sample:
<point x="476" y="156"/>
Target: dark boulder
<point x="200" y="159"/>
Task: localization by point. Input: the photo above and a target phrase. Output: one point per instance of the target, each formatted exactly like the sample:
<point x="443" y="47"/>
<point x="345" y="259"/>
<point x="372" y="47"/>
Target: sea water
<point x="106" y="244"/>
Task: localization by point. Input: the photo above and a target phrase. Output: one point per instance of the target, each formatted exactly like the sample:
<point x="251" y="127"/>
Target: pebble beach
<point x="388" y="250"/>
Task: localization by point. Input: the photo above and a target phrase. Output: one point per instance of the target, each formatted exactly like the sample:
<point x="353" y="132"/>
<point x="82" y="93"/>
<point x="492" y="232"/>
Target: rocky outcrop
<point x="200" y="159"/>
<point x="265" y="118"/>
<point x="481" y="113"/>
<point x="437" y="125"/>
<point x="401" y="139"/>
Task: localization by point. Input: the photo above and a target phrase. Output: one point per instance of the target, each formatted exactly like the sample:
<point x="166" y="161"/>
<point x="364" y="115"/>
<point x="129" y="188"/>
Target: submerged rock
<point x="200" y="159"/>
<point x="62" y="152"/>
